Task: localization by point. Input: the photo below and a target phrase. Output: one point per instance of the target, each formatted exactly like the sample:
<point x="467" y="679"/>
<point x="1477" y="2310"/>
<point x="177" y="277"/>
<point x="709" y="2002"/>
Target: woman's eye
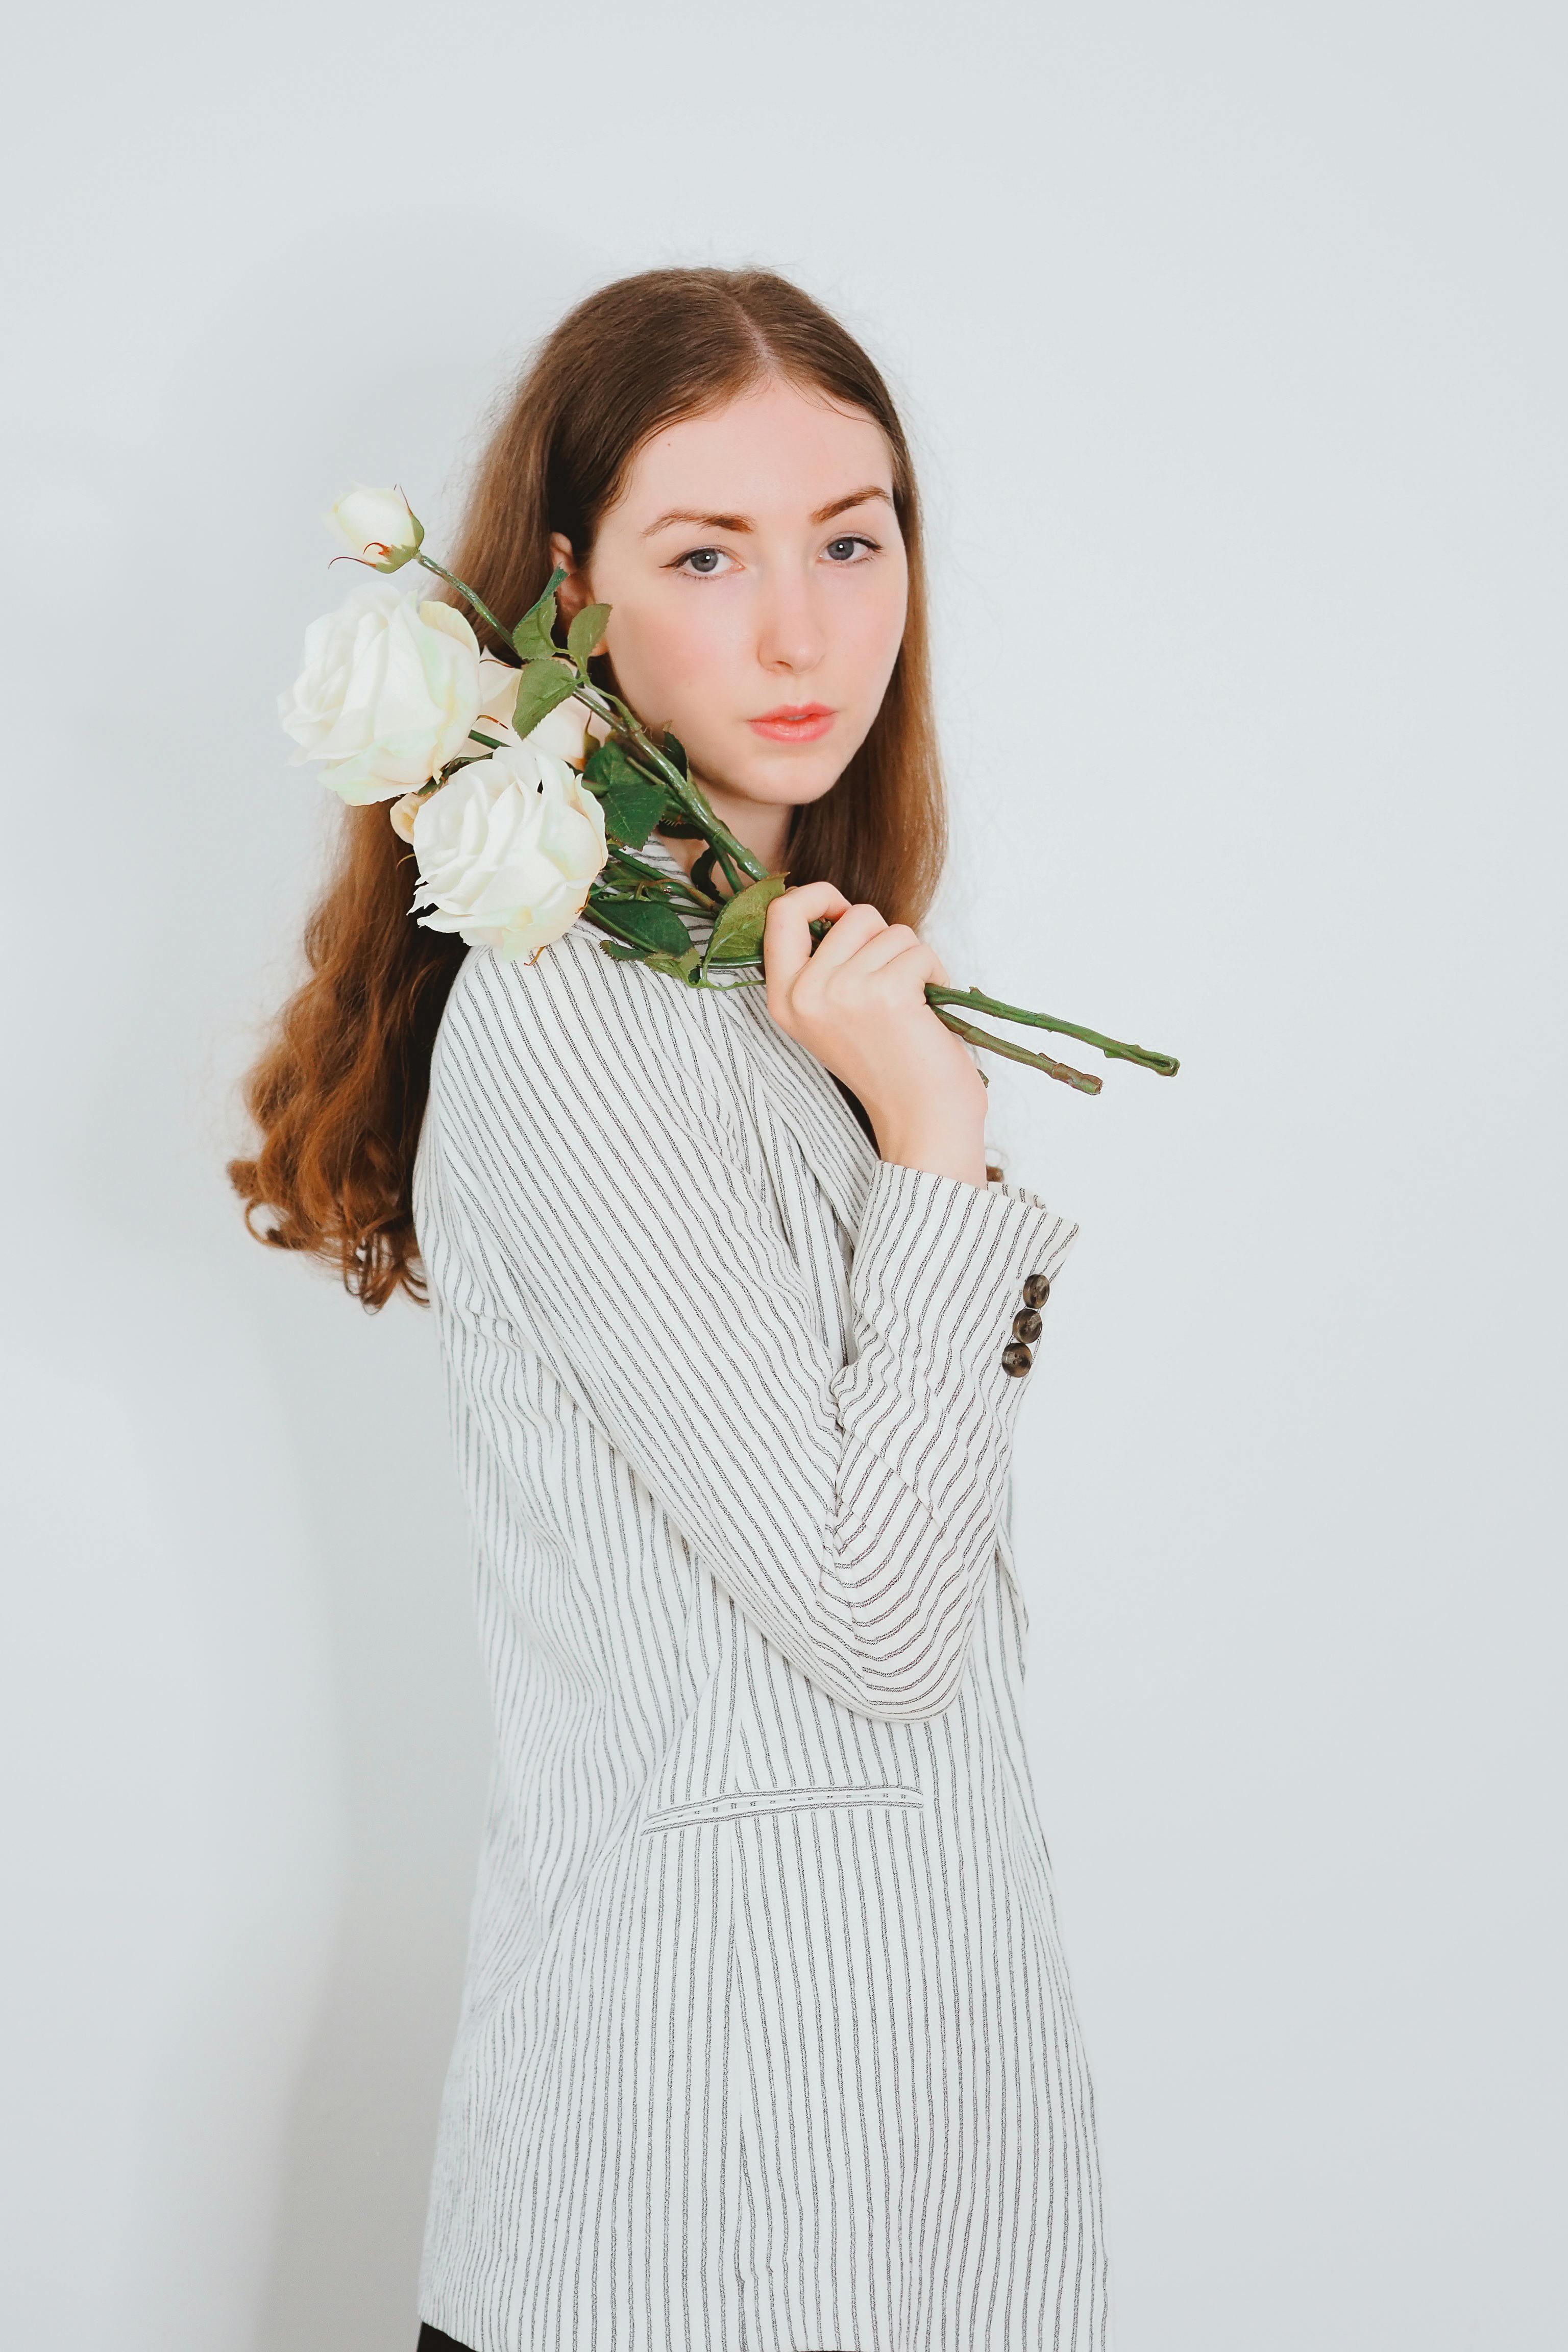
<point x="704" y="561"/>
<point x="843" y="550"/>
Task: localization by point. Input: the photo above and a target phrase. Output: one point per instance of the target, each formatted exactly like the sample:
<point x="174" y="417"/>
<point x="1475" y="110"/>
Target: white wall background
<point x="1233" y="340"/>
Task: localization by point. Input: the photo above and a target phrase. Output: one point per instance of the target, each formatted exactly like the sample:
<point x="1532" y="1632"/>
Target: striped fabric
<point x="766" y="2042"/>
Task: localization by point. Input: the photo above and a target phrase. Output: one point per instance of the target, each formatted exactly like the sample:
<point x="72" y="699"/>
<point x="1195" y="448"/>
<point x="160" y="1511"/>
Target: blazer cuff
<point x="952" y="1277"/>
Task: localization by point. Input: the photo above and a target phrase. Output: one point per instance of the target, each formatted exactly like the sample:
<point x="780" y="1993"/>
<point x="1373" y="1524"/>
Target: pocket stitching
<point x="744" y="1804"/>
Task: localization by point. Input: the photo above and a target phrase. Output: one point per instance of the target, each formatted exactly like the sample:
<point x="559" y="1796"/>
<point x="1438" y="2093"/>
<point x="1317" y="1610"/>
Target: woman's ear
<point x="573" y="593"/>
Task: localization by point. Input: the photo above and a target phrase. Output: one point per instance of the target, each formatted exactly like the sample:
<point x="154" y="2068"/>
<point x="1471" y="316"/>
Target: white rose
<point x="564" y="733"/>
<point x="388" y="696"/>
<point x="506" y="849"/>
<point x="379" y="526"/>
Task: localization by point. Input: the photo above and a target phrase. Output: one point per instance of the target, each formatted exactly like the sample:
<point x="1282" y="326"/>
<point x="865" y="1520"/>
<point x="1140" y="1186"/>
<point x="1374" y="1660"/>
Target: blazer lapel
<point x="806" y="1097"/>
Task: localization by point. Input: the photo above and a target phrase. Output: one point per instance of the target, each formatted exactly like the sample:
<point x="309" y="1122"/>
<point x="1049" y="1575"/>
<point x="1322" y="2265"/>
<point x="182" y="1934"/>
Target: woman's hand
<point x="859" y="1003"/>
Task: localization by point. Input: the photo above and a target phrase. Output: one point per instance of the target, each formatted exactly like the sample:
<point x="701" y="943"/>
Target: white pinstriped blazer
<point x="766" y="2042"/>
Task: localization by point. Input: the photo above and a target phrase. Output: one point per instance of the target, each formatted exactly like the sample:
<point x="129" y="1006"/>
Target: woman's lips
<point x="793" y="723"/>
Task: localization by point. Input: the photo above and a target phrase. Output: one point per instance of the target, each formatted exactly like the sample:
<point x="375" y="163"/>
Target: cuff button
<point x="1016" y="1358"/>
<point x="1026" y="1324"/>
<point x="1037" y="1289"/>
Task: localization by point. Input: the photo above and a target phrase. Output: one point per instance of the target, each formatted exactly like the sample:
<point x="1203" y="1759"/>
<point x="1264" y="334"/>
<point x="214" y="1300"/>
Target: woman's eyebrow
<point x="704" y="522"/>
<point x="743" y="524"/>
<point x="854" y="499"/>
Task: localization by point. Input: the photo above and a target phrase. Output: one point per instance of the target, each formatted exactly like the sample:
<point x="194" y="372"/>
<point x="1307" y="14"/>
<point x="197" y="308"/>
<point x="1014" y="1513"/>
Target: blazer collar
<point x="800" y="1091"/>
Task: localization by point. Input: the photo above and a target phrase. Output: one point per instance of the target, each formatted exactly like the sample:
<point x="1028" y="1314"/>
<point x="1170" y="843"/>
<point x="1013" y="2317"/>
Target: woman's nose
<point x="790" y="635"/>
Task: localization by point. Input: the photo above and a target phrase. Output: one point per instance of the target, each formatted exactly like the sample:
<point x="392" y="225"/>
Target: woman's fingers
<point x="787" y="933"/>
<point x="881" y="947"/>
<point x="860" y="944"/>
<point x="851" y="932"/>
<point x="917" y="962"/>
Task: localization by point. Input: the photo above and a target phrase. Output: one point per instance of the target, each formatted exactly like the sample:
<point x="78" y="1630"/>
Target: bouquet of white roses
<point x="526" y="791"/>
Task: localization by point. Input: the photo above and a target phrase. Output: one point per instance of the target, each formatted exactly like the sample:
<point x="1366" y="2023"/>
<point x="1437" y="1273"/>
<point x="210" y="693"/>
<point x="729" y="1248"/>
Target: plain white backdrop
<point x="1232" y="340"/>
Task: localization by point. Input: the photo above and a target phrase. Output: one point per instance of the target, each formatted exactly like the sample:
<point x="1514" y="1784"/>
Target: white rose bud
<point x="388" y="696"/>
<point x="379" y="526"/>
<point x="506" y="849"/>
<point x="565" y="732"/>
<point x="403" y="814"/>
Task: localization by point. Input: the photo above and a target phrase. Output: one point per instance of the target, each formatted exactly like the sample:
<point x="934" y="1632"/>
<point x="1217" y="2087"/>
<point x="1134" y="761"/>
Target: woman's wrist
<point x="941" y="1153"/>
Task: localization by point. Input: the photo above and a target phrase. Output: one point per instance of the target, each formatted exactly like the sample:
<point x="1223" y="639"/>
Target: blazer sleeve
<point x="591" y="1134"/>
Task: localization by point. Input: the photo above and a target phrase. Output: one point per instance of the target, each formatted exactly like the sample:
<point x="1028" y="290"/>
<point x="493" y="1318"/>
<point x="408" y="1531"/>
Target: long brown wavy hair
<point x="340" y="1088"/>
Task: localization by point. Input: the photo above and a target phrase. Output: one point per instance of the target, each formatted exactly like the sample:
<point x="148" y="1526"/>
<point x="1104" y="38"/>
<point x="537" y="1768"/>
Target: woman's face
<point x="759" y="584"/>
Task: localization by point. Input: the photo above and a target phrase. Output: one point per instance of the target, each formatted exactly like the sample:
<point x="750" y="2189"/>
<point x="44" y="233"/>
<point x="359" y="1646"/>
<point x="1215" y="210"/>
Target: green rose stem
<point x="738" y="860"/>
<point x="1085" y="1084"/>
<point x="739" y="864"/>
<point x="1164" y="1066"/>
<point x="464" y="590"/>
<point x="664" y="882"/>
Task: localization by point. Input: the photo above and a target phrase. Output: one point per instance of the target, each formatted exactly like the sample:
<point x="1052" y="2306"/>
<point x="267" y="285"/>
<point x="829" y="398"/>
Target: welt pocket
<point x="746" y="1804"/>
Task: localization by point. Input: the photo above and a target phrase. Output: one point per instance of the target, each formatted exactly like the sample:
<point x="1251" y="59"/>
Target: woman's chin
<point x="782" y="776"/>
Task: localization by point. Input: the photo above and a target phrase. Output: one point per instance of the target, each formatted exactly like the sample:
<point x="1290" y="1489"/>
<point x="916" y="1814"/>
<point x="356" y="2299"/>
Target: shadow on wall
<point x="355" y="2163"/>
<point x="414" y="1731"/>
<point x="246" y="1740"/>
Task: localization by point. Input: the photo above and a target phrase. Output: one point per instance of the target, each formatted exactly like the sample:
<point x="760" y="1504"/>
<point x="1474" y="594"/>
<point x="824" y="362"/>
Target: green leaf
<point x="631" y="812"/>
<point x="534" y="635"/>
<point x="677" y="967"/>
<point x="609" y="763"/>
<point x="738" y="933"/>
<point x="621" y="952"/>
<point x="646" y="922"/>
<point x="543" y="686"/>
<point x="585" y="632"/>
<point x="675" y="750"/>
<point x="634" y="803"/>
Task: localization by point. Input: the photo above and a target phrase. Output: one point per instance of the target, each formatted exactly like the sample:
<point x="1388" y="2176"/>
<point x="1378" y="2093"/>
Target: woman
<point x="766" y="2041"/>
